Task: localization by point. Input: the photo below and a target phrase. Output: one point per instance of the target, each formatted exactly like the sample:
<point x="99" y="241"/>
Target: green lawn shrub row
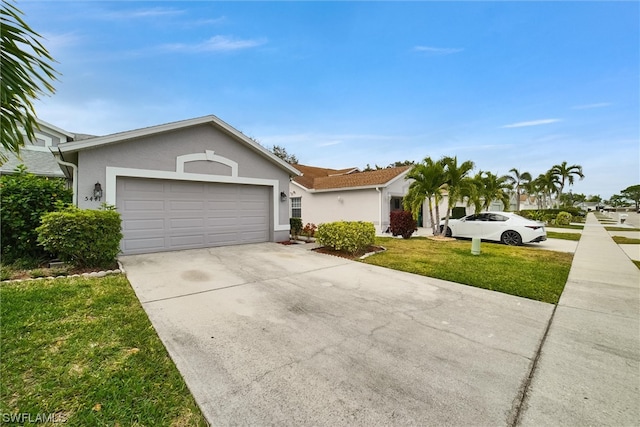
<point x="82" y="237"/>
<point x="348" y="236"/>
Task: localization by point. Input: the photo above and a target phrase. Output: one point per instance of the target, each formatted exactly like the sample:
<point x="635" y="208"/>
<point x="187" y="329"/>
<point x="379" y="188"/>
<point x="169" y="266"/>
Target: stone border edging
<point x="92" y="274"/>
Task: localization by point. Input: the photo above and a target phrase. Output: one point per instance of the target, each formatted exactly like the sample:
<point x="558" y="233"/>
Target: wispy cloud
<point x="144" y="13"/>
<point x="330" y="143"/>
<point x="430" y="50"/>
<point x="590" y="106"/>
<point x="215" y="44"/>
<point x="532" y="123"/>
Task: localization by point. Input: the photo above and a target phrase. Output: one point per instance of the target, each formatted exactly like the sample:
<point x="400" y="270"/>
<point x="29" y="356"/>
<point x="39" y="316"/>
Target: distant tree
<point x="369" y="168"/>
<point x="26" y="74"/>
<point x="632" y="193"/>
<point x="592" y="198"/>
<point x="282" y="153"/>
<point x="617" y="200"/>
<point x="566" y="175"/>
<point x="519" y="181"/>
<point x="400" y="164"/>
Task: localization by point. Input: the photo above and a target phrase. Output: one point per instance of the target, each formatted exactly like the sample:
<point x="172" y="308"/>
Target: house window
<point x="296" y="207"/>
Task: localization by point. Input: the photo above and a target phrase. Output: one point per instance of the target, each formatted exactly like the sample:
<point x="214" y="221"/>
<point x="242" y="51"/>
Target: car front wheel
<point x="511" y="238"/>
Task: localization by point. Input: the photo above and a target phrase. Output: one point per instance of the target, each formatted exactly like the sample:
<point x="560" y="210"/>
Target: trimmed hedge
<point x="401" y="223"/>
<point x="82" y="237"/>
<point x="564" y="218"/>
<point x="347" y="236"/>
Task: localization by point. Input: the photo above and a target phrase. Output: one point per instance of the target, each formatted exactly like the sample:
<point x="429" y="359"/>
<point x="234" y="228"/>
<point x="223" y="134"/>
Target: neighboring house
<point x="189" y="184"/>
<point x="36" y="155"/>
<point x="325" y="195"/>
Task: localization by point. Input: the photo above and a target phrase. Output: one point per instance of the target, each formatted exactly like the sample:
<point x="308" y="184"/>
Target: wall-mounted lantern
<point x="283" y="196"/>
<point x="97" y="191"/>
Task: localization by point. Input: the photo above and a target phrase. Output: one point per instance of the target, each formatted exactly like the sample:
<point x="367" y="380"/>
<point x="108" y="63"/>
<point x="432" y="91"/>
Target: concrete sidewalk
<point x="588" y="372"/>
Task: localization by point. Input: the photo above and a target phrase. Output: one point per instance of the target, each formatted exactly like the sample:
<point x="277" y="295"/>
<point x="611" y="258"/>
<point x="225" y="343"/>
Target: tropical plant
<point x="457" y="182"/>
<point x="26" y="74"/>
<point x="402" y="223"/>
<point x="519" y="181"/>
<point x="428" y="179"/>
<point x="566" y="175"/>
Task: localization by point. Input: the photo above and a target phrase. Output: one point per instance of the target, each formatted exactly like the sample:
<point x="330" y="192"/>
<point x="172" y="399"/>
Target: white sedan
<point x="505" y="227"/>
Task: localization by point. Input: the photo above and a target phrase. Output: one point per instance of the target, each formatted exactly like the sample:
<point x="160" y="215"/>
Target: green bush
<point x="24" y="198"/>
<point x="348" y="236"/>
<point x="401" y="223"/>
<point x="296" y="226"/>
<point x="82" y="237"/>
<point x="563" y="218"/>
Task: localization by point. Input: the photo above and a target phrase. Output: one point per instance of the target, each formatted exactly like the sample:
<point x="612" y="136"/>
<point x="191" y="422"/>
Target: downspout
<point x="380" y="208"/>
<point x="75" y="176"/>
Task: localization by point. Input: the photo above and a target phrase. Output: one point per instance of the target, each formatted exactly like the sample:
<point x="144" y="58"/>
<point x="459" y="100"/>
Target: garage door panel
<point x="190" y="214"/>
<point x="144" y="224"/>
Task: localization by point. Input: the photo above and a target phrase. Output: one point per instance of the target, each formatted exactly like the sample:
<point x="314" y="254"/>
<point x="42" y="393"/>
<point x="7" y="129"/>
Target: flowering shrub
<point x="309" y="230"/>
<point x="348" y="236"/>
<point x="402" y="224"/>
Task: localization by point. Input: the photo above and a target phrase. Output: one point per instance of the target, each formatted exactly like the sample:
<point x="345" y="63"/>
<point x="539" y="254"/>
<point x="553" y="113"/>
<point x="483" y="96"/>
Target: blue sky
<point x="522" y="85"/>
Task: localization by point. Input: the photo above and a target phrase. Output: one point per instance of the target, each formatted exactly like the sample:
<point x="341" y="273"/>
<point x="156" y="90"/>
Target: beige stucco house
<point x="322" y="195"/>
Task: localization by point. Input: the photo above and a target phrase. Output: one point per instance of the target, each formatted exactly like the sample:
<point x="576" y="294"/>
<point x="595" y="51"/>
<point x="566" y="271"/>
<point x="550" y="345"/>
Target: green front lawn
<point x="527" y="272"/>
<point x="84" y="350"/>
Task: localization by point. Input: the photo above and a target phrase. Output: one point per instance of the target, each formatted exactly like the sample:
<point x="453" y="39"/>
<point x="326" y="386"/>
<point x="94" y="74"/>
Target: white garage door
<point x="163" y="215"/>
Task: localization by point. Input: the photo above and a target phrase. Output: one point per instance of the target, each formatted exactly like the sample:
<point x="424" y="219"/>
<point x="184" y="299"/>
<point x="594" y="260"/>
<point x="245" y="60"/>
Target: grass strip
<point x="84" y="350"/>
<point x="564" y="236"/>
<point x="526" y="272"/>
<point x="621" y="229"/>
<point x="621" y="240"/>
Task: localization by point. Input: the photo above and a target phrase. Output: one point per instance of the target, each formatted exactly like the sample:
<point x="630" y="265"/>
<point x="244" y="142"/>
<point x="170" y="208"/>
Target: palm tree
<point x="26" y="74"/>
<point x="428" y="179"/>
<point x="495" y="187"/>
<point x="548" y="184"/>
<point x="566" y="174"/>
<point x="457" y="182"/>
<point x="519" y="180"/>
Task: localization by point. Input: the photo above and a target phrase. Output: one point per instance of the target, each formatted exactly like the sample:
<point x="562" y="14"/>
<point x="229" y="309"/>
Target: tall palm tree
<point x="519" y="181"/>
<point x="473" y="192"/>
<point x="428" y="179"/>
<point x="26" y="74"/>
<point x="457" y="182"/>
<point x="566" y="174"/>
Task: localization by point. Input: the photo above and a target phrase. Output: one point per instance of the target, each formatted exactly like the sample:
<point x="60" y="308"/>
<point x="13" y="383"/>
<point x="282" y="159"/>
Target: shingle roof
<point x="37" y="162"/>
<point x="315" y="178"/>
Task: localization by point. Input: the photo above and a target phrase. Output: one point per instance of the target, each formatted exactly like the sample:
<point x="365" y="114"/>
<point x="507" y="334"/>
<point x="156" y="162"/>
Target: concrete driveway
<point x="273" y="334"/>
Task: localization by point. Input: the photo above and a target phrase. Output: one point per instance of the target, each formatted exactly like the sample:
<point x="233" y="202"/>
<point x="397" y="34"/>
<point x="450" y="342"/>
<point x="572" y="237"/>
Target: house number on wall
<point x="92" y="199"/>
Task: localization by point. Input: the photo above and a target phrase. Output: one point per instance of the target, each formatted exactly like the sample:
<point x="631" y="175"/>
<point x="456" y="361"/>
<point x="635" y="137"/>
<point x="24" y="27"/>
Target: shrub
<point x="82" y="237"/>
<point x="348" y="236"/>
<point x="309" y="230"/>
<point x="296" y="226"/>
<point x="24" y="198"/>
<point x="402" y="224"/>
<point x="563" y="218"/>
